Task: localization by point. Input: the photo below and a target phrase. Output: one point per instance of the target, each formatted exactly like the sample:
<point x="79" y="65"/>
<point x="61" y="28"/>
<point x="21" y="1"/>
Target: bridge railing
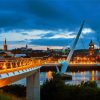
<point x="18" y="64"/>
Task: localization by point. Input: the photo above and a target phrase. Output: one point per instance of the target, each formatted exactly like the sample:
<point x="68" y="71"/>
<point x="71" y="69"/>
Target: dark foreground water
<point x="77" y="77"/>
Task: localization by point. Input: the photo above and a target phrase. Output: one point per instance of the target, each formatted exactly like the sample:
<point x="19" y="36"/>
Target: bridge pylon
<point x="66" y="64"/>
<point x="33" y="86"/>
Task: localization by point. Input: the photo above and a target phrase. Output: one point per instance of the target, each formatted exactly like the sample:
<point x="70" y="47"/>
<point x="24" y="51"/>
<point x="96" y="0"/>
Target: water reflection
<point x="85" y="75"/>
<point x="93" y="75"/>
<point x="49" y="75"/>
<point x="78" y="77"/>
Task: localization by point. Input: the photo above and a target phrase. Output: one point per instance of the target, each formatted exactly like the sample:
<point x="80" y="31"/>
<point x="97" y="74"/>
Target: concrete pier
<point x="33" y="86"/>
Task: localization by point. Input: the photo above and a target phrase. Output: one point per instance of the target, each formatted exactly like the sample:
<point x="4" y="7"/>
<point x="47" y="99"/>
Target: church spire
<point x="5" y="40"/>
<point x="91" y="43"/>
<point x="5" y="45"/>
<point x="26" y="46"/>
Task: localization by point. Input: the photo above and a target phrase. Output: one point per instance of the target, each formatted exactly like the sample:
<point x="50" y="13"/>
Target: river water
<point x="77" y="77"/>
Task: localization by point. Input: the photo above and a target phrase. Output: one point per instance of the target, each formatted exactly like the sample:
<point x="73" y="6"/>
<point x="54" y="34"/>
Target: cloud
<point x="44" y="38"/>
<point x="96" y="46"/>
<point x="87" y="30"/>
<point x="23" y="35"/>
<point x="67" y="36"/>
<point x="48" y="35"/>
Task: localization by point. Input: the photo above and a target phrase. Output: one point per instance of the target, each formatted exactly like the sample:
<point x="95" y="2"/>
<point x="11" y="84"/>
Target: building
<point x="5" y="45"/>
<point x="91" y="48"/>
<point x="86" y="55"/>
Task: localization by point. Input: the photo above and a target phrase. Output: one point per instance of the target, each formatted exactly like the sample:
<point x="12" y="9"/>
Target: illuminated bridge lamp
<point x="11" y="65"/>
<point x="16" y="64"/>
<point x="4" y="66"/>
<point x="31" y="62"/>
<point x="20" y="63"/>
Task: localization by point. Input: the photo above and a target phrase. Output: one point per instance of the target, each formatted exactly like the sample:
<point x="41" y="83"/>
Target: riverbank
<point x="72" y="67"/>
<point x="9" y="96"/>
<point x="13" y="92"/>
<point x="83" y="68"/>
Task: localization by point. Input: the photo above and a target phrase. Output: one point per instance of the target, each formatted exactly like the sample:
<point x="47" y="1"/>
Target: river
<point x="77" y="77"/>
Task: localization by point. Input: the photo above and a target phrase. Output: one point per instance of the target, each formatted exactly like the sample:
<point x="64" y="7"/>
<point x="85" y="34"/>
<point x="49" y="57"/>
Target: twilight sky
<point x="49" y="22"/>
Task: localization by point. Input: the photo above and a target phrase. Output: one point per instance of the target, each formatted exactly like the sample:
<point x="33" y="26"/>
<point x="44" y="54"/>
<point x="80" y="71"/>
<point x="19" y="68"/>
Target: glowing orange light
<point x="49" y="75"/>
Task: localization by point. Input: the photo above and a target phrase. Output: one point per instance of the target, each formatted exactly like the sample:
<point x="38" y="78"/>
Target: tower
<point x="5" y="45"/>
<point x="26" y="46"/>
<point x="91" y="48"/>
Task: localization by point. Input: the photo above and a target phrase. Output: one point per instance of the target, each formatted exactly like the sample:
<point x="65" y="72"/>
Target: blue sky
<point x="49" y="22"/>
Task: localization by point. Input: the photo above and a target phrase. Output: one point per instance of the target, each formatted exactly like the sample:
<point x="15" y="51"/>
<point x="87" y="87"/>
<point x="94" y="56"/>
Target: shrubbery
<point x="17" y="90"/>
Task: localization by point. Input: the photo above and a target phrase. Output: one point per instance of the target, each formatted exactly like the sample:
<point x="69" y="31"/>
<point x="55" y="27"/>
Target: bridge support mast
<point x="33" y="86"/>
<point x="65" y="64"/>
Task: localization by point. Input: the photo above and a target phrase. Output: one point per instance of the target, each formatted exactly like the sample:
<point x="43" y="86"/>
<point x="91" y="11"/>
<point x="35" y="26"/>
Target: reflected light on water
<point x="92" y="75"/>
<point x="96" y="72"/>
<point x="96" y="75"/>
<point x="49" y="75"/>
<point x="86" y="75"/>
<point x="73" y="74"/>
<point x="83" y="76"/>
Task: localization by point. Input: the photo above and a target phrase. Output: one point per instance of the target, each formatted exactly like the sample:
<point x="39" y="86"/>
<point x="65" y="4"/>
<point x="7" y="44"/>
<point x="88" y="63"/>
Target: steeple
<point x="91" y="43"/>
<point x="26" y="46"/>
<point x="5" y="45"/>
<point x="5" y="40"/>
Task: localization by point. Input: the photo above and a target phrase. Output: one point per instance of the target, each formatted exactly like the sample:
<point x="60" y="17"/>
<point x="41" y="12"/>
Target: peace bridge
<point x="15" y="69"/>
